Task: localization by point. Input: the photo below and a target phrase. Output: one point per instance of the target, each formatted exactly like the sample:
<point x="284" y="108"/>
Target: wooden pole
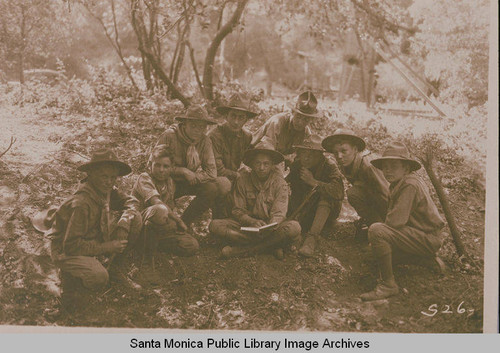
<point x="427" y="84"/>
<point x="407" y="79"/>
<point x="443" y="199"/>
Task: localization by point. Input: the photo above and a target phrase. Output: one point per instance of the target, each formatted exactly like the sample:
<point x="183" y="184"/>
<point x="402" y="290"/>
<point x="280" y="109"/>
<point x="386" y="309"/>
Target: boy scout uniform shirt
<point x="147" y="187"/>
<point x="327" y="174"/>
<point x="363" y="172"/>
<point x="266" y="201"/>
<point x="177" y="141"/>
<point x="279" y="132"/>
<point x="410" y="204"/>
<point x="82" y="223"/>
<point x="229" y="147"/>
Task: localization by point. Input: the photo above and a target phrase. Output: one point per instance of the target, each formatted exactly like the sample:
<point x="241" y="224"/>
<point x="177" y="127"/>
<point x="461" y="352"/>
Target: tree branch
<point x="114" y="42"/>
<point x="393" y="27"/>
<point x="212" y="49"/>
<point x="12" y="141"/>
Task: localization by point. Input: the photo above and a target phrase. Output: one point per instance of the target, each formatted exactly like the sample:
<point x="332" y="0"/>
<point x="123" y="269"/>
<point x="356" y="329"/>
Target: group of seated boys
<point x="255" y="208"/>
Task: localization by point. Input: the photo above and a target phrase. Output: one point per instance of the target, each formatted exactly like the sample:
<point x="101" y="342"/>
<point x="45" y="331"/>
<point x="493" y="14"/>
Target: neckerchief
<point x="260" y="208"/>
<point x="192" y="156"/>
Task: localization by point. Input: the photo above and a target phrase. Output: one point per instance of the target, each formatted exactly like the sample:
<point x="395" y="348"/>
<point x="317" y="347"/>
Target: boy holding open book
<point x="260" y="199"/>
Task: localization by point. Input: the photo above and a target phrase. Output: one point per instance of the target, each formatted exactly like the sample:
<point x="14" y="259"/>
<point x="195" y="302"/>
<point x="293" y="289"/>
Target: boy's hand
<point x="189" y="176"/>
<point x="121" y="234"/>
<point x="307" y="177"/>
<point x="258" y="223"/>
<point x="115" y="246"/>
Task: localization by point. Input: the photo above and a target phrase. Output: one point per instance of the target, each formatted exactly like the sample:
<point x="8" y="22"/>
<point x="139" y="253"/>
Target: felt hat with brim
<point x="306" y="105"/>
<point x="396" y="151"/>
<point x="105" y="156"/>
<point x="341" y="135"/>
<point x="262" y="147"/>
<point x="312" y="142"/>
<point x="198" y="113"/>
<point x="42" y="221"/>
<point x="238" y="103"/>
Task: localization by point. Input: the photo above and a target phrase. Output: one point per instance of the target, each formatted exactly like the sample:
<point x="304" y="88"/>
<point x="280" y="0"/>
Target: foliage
<point x="453" y="42"/>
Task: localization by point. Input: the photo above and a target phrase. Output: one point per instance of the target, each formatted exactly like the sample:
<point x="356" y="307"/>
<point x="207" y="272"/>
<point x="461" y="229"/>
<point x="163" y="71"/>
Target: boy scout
<point x="155" y="192"/>
<point x="85" y="226"/>
<point x="284" y="130"/>
<point x="369" y="192"/>
<point x="312" y="170"/>
<point x="194" y="171"/>
<point x="412" y="225"/>
<point x="230" y="141"/>
<point x="260" y="198"/>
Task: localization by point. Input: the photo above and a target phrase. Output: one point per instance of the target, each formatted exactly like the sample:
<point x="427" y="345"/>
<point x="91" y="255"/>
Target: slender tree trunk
<point x="22" y="46"/>
<point x="163" y="76"/>
<point x="214" y="45"/>
<point x="195" y="69"/>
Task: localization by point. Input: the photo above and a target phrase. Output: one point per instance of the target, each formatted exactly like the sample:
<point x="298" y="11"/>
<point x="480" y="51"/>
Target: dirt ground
<point x="204" y="291"/>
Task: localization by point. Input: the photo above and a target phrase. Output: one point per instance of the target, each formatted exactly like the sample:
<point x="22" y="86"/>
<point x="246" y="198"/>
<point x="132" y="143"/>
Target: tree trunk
<point x="195" y="69"/>
<point x="22" y="46"/>
<point x="370" y="69"/>
<point x="163" y="76"/>
<point x="214" y="45"/>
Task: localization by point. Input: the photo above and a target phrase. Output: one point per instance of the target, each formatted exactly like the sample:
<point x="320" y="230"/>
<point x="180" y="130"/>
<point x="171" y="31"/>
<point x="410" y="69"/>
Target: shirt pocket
<point x="251" y="196"/>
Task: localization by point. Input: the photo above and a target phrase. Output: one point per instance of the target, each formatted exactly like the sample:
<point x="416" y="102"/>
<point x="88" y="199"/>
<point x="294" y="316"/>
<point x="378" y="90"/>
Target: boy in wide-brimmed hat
<point x="369" y="192"/>
<point x="286" y="129"/>
<point x="194" y="170"/>
<point x="260" y="198"/>
<point x="97" y="220"/>
<point x="155" y="191"/>
<point x="412" y="227"/>
<point x="230" y="140"/>
<point x="311" y="169"/>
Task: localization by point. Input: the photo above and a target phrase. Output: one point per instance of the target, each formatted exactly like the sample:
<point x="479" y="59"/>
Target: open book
<point x="258" y="229"/>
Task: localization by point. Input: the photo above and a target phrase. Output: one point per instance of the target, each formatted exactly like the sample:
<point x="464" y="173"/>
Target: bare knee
<point x="376" y="231"/>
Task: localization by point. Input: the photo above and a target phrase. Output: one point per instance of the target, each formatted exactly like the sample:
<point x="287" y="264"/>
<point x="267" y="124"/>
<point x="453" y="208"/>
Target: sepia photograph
<point x="251" y="165"/>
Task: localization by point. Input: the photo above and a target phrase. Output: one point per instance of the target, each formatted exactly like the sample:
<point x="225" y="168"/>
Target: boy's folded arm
<point x="399" y="214"/>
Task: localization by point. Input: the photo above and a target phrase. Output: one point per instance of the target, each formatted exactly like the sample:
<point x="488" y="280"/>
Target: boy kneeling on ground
<point x="85" y="225"/>
<point x="260" y="198"/>
<point x="369" y="191"/>
<point x="155" y="191"/>
<point x="412" y="225"/>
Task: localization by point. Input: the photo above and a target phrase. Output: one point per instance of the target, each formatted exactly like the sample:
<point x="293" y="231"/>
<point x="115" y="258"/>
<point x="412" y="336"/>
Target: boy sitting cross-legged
<point x="155" y="191"/>
<point x="260" y="198"/>
<point x="412" y="225"/>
